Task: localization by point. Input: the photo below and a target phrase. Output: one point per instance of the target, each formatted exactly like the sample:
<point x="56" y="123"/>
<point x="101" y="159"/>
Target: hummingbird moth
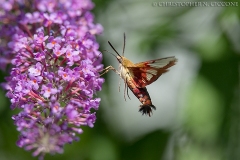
<point x="137" y="76"/>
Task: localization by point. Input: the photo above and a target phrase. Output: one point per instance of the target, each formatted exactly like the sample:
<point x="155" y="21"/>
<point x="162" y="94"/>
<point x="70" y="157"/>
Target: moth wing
<point x="145" y="73"/>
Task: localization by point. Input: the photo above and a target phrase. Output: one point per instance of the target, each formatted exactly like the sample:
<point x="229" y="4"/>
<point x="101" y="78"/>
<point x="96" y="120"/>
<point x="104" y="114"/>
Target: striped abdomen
<point x="143" y="96"/>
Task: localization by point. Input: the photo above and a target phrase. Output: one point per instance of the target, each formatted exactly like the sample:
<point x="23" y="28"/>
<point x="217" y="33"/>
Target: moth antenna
<point x="114" y="49"/>
<point x="124" y="42"/>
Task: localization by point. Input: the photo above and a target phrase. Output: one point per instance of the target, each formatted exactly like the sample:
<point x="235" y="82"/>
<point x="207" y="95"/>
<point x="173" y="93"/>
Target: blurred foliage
<point x="210" y="125"/>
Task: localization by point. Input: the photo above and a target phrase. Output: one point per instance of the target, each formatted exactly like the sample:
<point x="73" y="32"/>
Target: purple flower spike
<point x="55" y="66"/>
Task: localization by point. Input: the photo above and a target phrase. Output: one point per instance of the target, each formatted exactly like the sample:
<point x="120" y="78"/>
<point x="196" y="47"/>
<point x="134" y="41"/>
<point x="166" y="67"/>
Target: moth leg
<point x="119" y="81"/>
<point x="128" y="94"/>
<point x="119" y="84"/>
<point x="126" y="87"/>
<point x="105" y="70"/>
<point x="125" y="91"/>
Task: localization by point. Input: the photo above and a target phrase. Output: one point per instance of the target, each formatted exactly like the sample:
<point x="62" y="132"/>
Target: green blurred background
<point x="198" y="101"/>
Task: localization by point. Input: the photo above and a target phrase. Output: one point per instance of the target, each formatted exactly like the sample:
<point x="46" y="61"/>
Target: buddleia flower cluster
<point x="50" y="50"/>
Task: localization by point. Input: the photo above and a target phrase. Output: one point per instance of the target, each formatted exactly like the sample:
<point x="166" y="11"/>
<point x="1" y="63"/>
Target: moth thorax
<point x="126" y="62"/>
